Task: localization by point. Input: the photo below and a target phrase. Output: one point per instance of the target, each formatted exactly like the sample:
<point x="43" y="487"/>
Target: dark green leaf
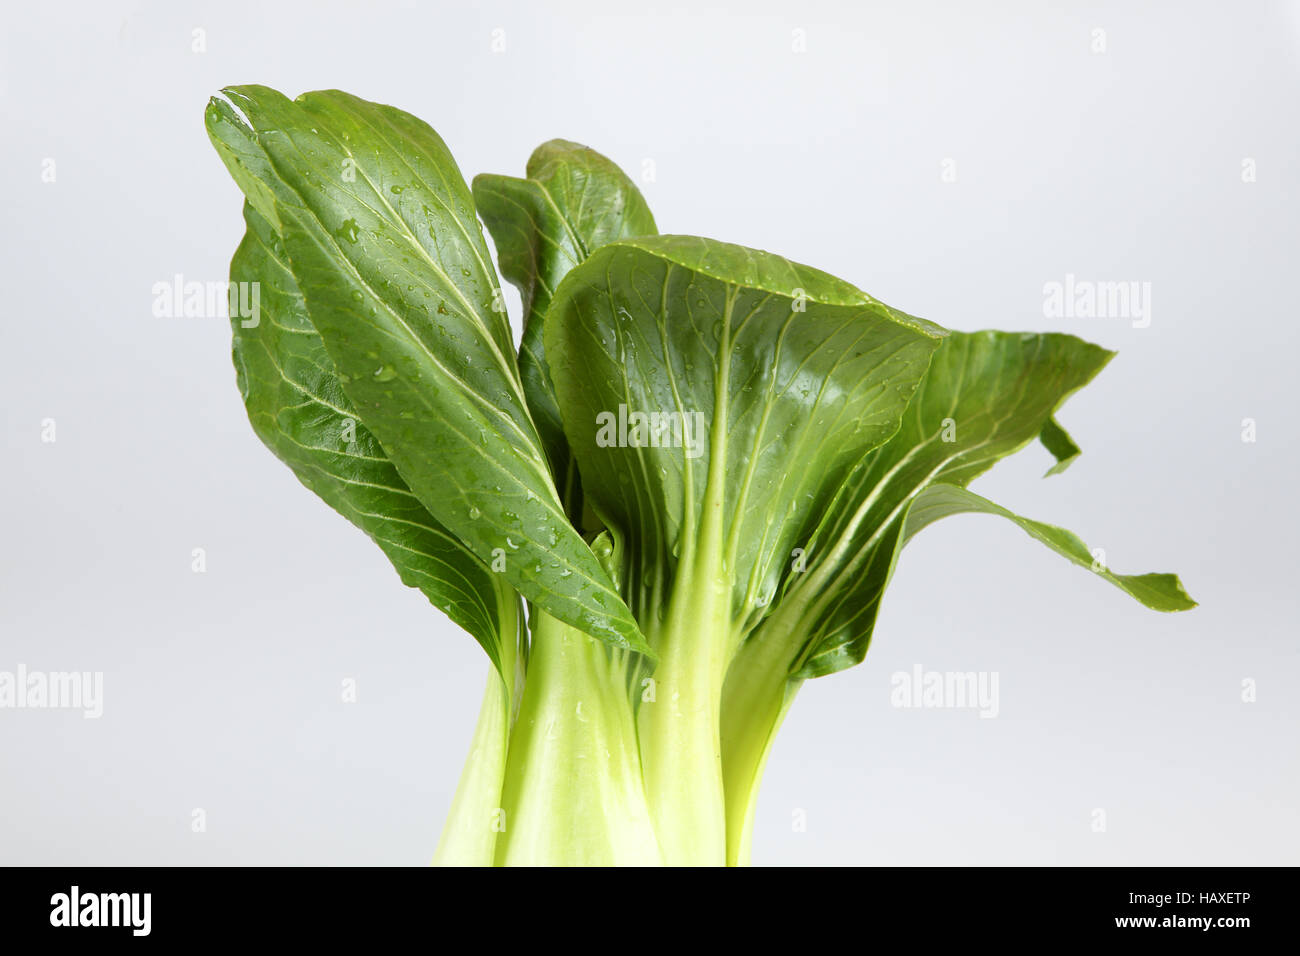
<point x="573" y="201"/>
<point x="381" y="238"/>
<point x="299" y="410"/>
<point x="771" y="380"/>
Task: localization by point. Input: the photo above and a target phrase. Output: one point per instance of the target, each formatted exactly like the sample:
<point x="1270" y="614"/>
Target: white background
<point x="222" y="689"/>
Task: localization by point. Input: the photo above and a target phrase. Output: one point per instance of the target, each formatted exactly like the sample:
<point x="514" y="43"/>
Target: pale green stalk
<point x="573" y="794"/>
<point x="469" y="835"/>
<point x="681" y="729"/>
<point x="756" y="697"/>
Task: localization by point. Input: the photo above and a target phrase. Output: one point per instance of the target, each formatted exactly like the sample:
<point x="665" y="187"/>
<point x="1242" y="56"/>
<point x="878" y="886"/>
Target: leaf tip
<point x="1182" y="600"/>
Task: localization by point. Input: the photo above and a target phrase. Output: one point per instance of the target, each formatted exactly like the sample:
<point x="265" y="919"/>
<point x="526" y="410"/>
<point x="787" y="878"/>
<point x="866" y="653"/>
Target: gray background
<point x="222" y="690"/>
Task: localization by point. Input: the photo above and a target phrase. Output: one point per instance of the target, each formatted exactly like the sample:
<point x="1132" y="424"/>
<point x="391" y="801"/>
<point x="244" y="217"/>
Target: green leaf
<point x="380" y="235"/>
<point x="985" y="396"/>
<point x="573" y="201"/>
<point x="770" y="380"/>
<point x="1062" y="447"/>
<point x="300" y="412"/>
<point x="1160" y="592"/>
